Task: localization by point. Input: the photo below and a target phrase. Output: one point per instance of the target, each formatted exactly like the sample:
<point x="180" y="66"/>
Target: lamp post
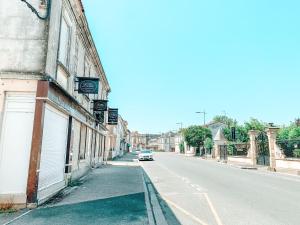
<point x="204" y="116"/>
<point x="181" y="125"/>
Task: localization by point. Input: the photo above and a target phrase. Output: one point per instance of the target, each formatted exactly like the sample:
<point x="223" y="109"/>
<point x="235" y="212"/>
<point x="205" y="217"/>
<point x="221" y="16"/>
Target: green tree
<point x="196" y="135"/>
<point x="283" y="133"/>
<point x="255" y="124"/>
<point x="226" y="120"/>
<point x="288" y="139"/>
<point x="208" y="144"/>
<point x="241" y="134"/>
<point x="294" y="133"/>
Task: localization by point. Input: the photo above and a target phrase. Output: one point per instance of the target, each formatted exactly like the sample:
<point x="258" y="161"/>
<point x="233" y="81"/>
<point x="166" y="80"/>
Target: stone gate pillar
<point x="216" y="151"/>
<point x="253" y="147"/>
<point x="272" y="135"/>
<point x="185" y="147"/>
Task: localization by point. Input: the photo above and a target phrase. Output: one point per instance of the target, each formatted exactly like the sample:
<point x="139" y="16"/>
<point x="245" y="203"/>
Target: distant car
<point x="145" y="155"/>
<point x="137" y="151"/>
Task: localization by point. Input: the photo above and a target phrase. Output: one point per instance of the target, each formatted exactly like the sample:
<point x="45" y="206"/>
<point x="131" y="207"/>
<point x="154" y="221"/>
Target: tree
<point x="283" y="133"/>
<point x="294" y="133"/>
<point x="208" y="144"/>
<point x="241" y="134"/>
<point x="255" y="124"/>
<point x="196" y="135"/>
<point x="288" y="139"/>
<point x="226" y="120"/>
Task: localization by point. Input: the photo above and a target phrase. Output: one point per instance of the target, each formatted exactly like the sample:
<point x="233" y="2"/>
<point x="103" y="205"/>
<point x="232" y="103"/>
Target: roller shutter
<point x="53" y="153"/>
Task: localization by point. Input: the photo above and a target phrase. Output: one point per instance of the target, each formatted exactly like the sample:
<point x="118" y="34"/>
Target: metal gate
<point x="223" y="152"/>
<point x="262" y="146"/>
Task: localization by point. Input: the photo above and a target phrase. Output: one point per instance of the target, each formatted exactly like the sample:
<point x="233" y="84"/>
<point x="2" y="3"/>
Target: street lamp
<point x="181" y="125"/>
<point x="204" y="116"/>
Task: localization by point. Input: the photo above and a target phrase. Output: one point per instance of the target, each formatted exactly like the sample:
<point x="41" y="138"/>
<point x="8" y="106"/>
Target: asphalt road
<point x="207" y="192"/>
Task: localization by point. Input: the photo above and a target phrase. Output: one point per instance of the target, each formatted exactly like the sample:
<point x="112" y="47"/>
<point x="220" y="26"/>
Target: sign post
<point x="88" y="85"/>
<point x="100" y="105"/>
<point x="113" y="115"/>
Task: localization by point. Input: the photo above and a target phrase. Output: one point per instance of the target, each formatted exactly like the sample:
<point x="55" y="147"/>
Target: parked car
<point x="145" y="155"/>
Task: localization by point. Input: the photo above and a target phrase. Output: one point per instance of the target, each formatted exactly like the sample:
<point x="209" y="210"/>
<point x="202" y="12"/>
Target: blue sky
<point x="167" y="59"/>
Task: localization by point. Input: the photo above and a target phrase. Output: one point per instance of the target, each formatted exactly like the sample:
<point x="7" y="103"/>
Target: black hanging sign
<point x="100" y="105"/>
<point x="88" y="85"/>
<point x="100" y="116"/>
<point x="113" y="115"/>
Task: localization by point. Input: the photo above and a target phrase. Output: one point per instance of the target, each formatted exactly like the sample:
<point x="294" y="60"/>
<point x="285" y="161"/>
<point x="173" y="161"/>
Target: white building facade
<point x="119" y="139"/>
<point x="49" y="135"/>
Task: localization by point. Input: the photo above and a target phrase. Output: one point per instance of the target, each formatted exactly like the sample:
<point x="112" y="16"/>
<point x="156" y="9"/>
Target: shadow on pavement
<point x="167" y="211"/>
<point x="128" y="157"/>
<point x="128" y="209"/>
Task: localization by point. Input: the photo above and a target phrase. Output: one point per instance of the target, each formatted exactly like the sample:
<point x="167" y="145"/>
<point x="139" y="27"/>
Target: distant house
<point x="216" y="130"/>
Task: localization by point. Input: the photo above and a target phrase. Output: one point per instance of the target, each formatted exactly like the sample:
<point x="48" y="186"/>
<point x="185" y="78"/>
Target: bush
<point x="181" y="147"/>
<point x="294" y="133"/>
<point x="296" y="153"/>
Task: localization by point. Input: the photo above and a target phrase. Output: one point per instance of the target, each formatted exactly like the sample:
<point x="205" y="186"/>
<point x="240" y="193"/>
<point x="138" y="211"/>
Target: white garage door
<point x="53" y="154"/>
<point x="15" y="143"/>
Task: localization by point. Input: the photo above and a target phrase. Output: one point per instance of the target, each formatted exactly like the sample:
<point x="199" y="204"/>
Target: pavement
<point x="206" y="192"/>
<point x="113" y="194"/>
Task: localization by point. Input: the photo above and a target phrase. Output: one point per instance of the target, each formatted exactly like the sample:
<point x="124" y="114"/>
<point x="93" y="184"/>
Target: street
<point x="204" y="90"/>
<point x="113" y="194"/>
<point x="206" y="192"/>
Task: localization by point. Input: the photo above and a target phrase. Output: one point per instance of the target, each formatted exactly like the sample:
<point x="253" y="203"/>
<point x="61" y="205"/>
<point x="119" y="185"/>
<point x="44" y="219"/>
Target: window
<point x="82" y="142"/>
<point x="64" y="43"/>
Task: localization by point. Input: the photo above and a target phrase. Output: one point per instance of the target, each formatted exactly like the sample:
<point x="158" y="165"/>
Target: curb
<point x="155" y="213"/>
<point x="243" y="167"/>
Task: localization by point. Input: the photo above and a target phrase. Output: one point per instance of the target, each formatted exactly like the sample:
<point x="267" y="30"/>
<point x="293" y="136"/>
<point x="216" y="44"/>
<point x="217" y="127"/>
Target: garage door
<point x="53" y="153"/>
<point x="15" y="143"/>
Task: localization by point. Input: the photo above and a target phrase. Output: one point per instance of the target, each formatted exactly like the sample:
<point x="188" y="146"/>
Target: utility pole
<point x="204" y="116"/>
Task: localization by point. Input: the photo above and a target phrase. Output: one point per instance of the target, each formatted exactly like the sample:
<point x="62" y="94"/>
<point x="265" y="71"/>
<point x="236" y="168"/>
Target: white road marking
<point x="13" y="220"/>
<point x="212" y="208"/>
<point x="196" y="219"/>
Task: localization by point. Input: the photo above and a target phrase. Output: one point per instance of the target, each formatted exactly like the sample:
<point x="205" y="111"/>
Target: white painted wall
<point x="288" y="164"/>
<point x="15" y="144"/>
<point x="237" y="159"/>
<point x="22" y="38"/>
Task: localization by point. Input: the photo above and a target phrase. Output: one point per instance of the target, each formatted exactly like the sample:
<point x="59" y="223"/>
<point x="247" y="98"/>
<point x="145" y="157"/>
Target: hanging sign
<point x="88" y="85"/>
<point x="100" y="116"/>
<point x="113" y="115"/>
<point x="100" y="105"/>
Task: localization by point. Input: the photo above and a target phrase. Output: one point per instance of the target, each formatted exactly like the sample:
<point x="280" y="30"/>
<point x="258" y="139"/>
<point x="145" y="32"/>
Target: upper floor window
<point x="64" y="44"/>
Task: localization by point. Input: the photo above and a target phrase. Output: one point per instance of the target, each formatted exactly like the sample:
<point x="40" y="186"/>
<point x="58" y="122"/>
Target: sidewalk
<point x="113" y="194"/>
